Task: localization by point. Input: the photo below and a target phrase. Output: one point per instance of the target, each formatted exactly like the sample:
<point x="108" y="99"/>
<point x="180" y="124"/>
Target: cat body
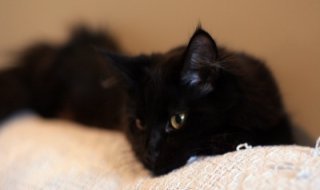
<point x="64" y="81"/>
<point x="193" y="100"/>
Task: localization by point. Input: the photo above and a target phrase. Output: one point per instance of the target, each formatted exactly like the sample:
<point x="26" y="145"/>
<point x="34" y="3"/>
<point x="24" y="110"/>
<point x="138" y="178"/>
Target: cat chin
<point x="164" y="170"/>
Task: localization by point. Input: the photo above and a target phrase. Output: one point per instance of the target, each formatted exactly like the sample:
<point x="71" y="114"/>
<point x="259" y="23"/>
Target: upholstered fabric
<point x="54" y="154"/>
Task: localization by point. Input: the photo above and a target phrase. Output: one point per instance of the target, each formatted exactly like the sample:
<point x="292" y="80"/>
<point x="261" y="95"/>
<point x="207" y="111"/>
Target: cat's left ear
<point x="130" y="69"/>
<point x="200" y="69"/>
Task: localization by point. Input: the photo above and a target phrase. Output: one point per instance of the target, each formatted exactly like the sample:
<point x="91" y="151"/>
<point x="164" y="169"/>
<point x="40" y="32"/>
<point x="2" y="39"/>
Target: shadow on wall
<point x="302" y="137"/>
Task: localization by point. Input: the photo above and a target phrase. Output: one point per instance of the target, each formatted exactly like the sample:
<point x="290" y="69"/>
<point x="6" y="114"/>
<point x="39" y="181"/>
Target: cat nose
<point x="153" y="147"/>
<point x="152" y="156"/>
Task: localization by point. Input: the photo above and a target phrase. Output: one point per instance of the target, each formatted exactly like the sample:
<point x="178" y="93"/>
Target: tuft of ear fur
<point x="200" y="71"/>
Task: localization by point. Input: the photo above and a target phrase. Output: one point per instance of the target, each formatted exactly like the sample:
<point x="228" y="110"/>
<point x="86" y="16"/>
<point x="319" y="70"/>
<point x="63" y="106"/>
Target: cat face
<point x="178" y="102"/>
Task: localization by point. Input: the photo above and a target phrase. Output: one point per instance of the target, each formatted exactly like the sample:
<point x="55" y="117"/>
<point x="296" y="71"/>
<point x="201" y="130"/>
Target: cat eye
<point x="178" y="120"/>
<point x="138" y="124"/>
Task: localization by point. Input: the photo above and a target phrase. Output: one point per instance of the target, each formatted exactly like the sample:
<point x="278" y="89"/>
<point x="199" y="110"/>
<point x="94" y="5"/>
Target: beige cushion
<point x="55" y="154"/>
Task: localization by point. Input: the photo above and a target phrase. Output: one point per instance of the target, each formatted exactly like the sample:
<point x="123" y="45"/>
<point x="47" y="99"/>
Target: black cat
<point x="193" y="100"/>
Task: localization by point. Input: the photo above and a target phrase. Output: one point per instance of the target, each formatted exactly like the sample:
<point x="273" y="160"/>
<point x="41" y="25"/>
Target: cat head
<point x="178" y="102"/>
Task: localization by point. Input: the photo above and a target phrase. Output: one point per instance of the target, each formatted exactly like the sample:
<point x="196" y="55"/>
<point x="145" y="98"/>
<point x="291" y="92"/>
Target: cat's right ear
<point x="130" y="69"/>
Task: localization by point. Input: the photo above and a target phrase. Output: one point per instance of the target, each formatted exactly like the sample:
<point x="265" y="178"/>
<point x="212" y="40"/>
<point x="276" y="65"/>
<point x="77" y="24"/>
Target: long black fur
<point x="65" y="81"/>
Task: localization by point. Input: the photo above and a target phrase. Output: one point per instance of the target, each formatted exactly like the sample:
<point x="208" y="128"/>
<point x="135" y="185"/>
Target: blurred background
<point x="286" y="34"/>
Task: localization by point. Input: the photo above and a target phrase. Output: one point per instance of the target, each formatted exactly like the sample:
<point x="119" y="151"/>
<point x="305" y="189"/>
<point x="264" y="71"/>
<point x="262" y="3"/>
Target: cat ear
<point x="200" y="69"/>
<point x="131" y="69"/>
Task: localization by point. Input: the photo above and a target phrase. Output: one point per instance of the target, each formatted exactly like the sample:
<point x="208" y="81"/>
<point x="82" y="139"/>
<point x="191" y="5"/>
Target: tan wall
<point x="285" y="33"/>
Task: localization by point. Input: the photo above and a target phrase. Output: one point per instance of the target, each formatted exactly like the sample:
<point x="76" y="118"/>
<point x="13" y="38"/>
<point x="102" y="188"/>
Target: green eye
<point x="178" y="120"/>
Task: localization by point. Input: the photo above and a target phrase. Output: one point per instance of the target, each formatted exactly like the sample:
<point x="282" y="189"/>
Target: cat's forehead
<point x="162" y="85"/>
<point x="167" y="67"/>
